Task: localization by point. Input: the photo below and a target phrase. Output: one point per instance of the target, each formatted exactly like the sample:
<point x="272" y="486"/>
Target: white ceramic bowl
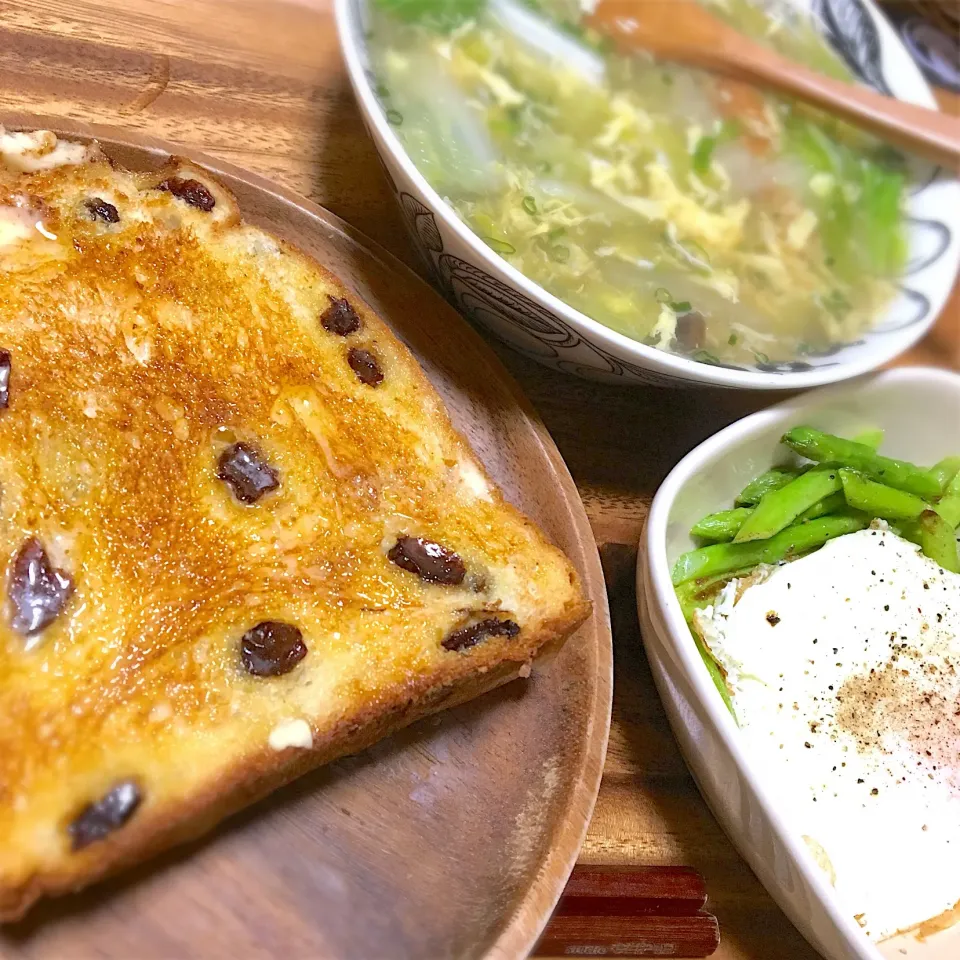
<point x="920" y="411"/>
<point x="495" y="295"/>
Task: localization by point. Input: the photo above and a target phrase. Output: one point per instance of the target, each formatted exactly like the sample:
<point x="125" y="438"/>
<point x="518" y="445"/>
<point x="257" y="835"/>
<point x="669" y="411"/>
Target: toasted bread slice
<point x="240" y="535"/>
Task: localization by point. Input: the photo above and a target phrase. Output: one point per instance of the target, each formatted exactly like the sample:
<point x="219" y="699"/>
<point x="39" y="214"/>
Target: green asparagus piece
<point x="909" y="530"/>
<point x="946" y="470"/>
<point x="835" y="503"/>
<point x="878" y="500"/>
<point x="824" y="448"/>
<point x="713" y="668"/>
<point x="870" y="438"/>
<point x="753" y="492"/>
<point x="779" y="508"/>
<point x="802" y="537"/>
<point x="938" y="541"/>
<point x="721" y="526"/>
<point x="949" y="509"/>
<point x="949" y="505"/>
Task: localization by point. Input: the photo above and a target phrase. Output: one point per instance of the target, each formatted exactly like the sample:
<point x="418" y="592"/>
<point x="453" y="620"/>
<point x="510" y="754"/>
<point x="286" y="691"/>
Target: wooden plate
<point x="453" y="838"/>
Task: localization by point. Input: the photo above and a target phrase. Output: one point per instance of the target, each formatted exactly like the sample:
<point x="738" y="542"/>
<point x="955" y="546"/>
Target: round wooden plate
<point x="453" y="838"/>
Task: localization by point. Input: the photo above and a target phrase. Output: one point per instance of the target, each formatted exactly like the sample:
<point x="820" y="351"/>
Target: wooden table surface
<point x="261" y="84"/>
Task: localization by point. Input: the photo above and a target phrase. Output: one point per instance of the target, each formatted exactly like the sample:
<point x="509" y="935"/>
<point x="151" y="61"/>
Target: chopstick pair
<point x="631" y="912"/>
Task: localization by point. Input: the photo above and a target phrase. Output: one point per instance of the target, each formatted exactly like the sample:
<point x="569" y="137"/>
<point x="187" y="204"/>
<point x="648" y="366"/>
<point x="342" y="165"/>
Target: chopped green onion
<point x="437" y="13"/>
<point x="530" y="205"/>
<point x="703" y="154"/>
<point x="561" y="254"/>
<point x="732" y="339"/>
<point x="704" y="356"/>
<point x="663" y="295"/>
<point x="394" y="117"/>
<point x="837" y="304"/>
<point x="703" y="151"/>
<point x="500" y="246"/>
<point x="682" y="306"/>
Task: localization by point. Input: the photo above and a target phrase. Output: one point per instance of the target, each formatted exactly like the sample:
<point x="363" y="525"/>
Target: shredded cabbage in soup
<point x="689" y="212"/>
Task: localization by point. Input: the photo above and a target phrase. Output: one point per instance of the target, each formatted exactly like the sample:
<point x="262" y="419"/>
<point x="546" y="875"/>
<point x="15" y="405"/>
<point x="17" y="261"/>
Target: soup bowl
<point x="496" y="296"/>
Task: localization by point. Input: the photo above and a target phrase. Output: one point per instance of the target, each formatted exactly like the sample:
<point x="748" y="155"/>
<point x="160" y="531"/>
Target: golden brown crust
<point x="128" y="680"/>
<point x="262" y="775"/>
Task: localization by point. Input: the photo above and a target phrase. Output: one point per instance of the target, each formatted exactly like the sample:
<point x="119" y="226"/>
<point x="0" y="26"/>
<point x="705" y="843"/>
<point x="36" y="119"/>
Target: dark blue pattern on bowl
<point x="849" y="29"/>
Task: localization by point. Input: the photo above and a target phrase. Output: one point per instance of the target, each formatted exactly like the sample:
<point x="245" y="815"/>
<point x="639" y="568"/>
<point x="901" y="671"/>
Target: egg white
<point x="845" y="672"/>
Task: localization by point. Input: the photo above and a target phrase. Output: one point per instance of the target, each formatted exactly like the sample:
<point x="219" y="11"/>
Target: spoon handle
<point x="683" y="31"/>
<point x="933" y="135"/>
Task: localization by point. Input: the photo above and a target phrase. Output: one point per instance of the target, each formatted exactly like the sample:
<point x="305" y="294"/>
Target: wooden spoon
<point x="683" y="31"/>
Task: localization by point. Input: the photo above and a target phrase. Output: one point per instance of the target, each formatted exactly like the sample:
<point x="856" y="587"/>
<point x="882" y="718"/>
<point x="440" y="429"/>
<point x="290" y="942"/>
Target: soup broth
<point x="689" y="212"/>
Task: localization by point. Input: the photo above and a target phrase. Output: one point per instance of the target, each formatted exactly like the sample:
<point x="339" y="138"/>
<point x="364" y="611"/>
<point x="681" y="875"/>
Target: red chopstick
<point x="631" y="912"/>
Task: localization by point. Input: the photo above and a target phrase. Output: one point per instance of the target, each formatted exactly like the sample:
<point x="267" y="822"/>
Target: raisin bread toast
<point x="240" y="535"/>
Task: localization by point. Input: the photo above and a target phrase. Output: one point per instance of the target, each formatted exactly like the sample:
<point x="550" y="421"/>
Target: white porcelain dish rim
<point x="618" y="343"/>
<point x="656" y="587"/>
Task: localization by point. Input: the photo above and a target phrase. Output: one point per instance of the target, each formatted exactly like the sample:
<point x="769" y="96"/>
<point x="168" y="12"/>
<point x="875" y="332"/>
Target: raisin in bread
<point x="241" y="536"/>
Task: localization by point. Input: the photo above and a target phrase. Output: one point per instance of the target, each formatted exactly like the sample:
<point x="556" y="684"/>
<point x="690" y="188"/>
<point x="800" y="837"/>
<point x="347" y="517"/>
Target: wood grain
<point x="261" y="84"/>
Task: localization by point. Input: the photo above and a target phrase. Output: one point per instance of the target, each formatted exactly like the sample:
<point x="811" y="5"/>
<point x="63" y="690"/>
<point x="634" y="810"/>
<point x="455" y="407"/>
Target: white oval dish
<point x="919" y="408"/>
<point x="495" y="295"/>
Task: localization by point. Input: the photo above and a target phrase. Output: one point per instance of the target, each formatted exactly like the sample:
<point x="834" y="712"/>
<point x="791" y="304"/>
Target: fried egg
<point x="844" y="668"/>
